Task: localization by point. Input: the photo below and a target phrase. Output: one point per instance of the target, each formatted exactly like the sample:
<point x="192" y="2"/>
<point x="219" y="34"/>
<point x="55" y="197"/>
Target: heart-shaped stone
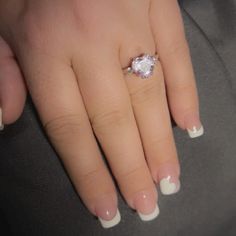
<point x="143" y="66"/>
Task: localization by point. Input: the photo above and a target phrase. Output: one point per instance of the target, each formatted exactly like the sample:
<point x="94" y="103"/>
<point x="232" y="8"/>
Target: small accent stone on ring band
<point x="142" y="66"/>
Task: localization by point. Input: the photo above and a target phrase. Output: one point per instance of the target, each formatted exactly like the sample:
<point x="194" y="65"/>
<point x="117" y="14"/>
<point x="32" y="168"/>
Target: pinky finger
<point x="12" y="87"/>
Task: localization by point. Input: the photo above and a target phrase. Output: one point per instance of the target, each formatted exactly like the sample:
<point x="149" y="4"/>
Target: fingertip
<point x="12" y="92"/>
<point x="106" y="224"/>
<point x="189" y="121"/>
<point x="12" y="109"/>
<point x="193" y="125"/>
<point x="107" y="211"/>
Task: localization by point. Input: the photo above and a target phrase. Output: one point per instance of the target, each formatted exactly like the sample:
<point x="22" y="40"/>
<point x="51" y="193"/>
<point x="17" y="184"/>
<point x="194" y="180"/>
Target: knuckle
<point x="33" y="33"/>
<point x="137" y="178"/>
<point x="92" y="23"/>
<point x="147" y="92"/>
<point x="182" y="86"/>
<point x="164" y="137"/>
<point x="115" y="118"/>
<point x="30" y="33"/>
<point x="87" y="178"/>
<point x="63" y="127"/>
<point x="178" y="47"/>
<point x="133" y="172"/>
<point x="87" y="182"/>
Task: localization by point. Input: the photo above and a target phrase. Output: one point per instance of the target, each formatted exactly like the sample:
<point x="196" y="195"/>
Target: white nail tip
<point x="194" y="132"/>
<point x="168" y="188"/>
<point x="151" y="216"/>
<point x="111" y="223"/>
<point x="1" y="124"/>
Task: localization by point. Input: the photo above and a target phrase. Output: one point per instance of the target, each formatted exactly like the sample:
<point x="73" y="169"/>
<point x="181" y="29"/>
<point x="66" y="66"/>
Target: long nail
<point x="146" y="206"/>
<point x="1" y="123"/>
<point x="107" y="212"/>
<point x="168" y="179"/>
<point x="195" y="131"/>
<point x="194" y="126"/>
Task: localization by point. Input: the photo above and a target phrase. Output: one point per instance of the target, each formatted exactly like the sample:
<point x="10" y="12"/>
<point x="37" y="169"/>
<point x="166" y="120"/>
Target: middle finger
<point x="108" y="105"/>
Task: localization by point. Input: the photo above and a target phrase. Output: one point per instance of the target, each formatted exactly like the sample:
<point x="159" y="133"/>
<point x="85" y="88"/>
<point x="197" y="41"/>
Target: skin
<point x="71" y="54"/>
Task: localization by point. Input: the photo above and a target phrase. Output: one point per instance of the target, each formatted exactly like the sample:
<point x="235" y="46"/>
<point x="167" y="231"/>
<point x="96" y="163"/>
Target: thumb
<point x="12" y="87"/>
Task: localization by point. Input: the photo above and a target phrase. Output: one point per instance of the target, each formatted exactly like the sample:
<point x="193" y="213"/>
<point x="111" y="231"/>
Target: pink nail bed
<point x="107" y="212"/>
<point x="145" y="204"/>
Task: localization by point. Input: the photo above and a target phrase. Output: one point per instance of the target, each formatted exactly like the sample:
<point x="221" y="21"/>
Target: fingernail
<point x="1" y="123"/>
<point x="168" y="186"/>
<point x="111" y="223"/>
<point x="169" y="179"/>
<point x="195" y="131"/>
<point x="108" y="213"/>
<point x="151" y="216"/>
<point x="194" y="126"/>
<point x="146" y="206"/>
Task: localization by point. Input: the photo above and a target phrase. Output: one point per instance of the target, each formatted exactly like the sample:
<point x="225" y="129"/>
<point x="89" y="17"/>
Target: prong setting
<point x="143" y="66"/>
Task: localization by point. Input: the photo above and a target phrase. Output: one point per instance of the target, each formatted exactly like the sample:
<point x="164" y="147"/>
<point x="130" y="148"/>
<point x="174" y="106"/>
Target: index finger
<point x="175" y="57"/>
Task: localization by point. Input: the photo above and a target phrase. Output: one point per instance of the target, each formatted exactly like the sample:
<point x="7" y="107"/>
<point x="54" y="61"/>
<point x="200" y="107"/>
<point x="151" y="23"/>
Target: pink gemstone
<point x="143" y="66"/>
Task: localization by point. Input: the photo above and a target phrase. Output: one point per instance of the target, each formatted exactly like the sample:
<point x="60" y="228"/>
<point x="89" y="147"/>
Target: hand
<point x="72" y="54"/>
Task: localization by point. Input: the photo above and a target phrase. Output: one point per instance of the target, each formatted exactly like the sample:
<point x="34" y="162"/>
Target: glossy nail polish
<point x="195" y="131"/>
<point x="151" y="216"/>
<point x="111" y="223"/>
<point x="146" y="206"/>
<point x="194" y="126"/>
<point x="107" y="213"/>
<point x="169" y="179"/>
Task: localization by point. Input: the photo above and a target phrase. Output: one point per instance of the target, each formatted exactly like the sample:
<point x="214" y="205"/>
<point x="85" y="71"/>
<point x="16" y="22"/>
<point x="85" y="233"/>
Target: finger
<point x="174" y="53"/>
<point x="152" y="115"/>
<point x="12" y="88"/>
<point x="55" y="93"/>
<point x="108" y="104"/>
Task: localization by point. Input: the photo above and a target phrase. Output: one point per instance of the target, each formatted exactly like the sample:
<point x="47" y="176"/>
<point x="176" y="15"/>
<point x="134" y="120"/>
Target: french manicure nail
<point x="195" y="132"/>
<point x="111" y="223"/>
<point x="168" y="186"/>
<point x="150" y="216"/>
<point x="169" y="179"/>
<point x="1" y="123"/>
<point x="194" y="126"/>
<point x="146" y="206"/>
<point x="108" y="213"/>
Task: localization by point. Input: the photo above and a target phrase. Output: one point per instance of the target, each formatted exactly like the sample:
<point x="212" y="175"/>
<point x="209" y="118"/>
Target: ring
<point x="142" y="66"/>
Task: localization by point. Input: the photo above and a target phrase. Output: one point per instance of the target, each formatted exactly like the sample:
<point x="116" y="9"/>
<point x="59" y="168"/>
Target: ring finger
<point x="152" y="115"/>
